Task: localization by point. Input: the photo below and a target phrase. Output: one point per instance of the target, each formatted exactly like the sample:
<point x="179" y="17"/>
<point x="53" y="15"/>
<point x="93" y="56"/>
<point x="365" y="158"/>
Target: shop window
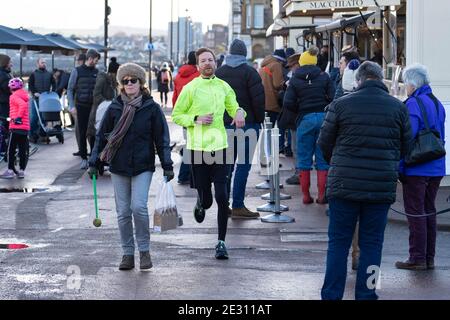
<point x="259" y="16"/>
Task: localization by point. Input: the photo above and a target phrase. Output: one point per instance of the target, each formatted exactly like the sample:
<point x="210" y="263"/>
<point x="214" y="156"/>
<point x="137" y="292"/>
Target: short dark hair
<point x="203" y="50"/>
<point x="350" y="55"/>
<point x="82" y="57"/>
<point x="92" y="53"/>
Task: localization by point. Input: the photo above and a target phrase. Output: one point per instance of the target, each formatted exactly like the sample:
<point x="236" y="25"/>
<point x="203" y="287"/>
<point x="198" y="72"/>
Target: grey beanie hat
<point x="131" y="70"/>
<point x="238" y="47"/>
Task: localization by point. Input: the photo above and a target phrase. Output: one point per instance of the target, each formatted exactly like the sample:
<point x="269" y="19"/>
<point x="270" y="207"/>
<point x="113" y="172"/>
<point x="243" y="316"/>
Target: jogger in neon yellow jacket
<point x="205" y="96"/>
<point x="200" y="108"/>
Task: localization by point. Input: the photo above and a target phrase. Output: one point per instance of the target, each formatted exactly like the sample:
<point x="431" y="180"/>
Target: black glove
<point x="169" y="175"/>
<point x="18" y="120"/>
<point x="93" y="171"/>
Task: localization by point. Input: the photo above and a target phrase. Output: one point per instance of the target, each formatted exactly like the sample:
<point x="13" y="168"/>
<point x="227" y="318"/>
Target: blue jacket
<point x="435" y="168"/>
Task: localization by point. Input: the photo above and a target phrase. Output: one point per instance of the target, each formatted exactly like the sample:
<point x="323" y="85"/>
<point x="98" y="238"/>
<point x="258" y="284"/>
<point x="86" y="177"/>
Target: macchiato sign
<point x="337" y="4"/>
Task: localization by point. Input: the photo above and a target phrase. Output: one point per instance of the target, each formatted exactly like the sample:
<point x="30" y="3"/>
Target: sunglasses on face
<point x="126" y="81"/>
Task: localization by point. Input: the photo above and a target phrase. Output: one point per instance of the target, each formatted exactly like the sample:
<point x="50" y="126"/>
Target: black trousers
<point x="203" y="175"/>
<point x="163" y="95"/>
<point x="21" y="141"/>
<point x="83" y="113"/>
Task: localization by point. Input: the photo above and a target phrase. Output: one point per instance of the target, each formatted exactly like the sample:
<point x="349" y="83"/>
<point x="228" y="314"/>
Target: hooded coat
<point x="310" y="91"/>
<point x="18" y="102"/>
<point x="271" y="73"/>
<point x="186" y="74"/>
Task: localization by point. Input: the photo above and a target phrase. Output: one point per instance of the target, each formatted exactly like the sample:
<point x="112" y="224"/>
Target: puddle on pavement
<point x="23" y="190"/>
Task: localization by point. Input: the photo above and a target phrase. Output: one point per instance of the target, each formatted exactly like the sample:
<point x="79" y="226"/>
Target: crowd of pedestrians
<point x="350" y="130"/>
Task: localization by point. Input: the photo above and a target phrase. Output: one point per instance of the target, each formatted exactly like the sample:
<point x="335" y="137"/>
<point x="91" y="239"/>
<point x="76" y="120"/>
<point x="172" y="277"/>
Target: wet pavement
<point x="68" y="258"/>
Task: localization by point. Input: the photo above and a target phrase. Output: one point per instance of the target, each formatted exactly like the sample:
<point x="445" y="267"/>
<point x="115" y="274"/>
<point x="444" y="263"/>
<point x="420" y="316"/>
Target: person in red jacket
<point x="186" y="74"/>
<point x="19" y="127"/>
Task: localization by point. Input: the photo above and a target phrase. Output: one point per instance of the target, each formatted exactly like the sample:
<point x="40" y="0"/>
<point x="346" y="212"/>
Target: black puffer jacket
<point x="247" y="85"/>
<point x="148" y="131"/>
<point x="310" y="90"/>
<point x="5" y="76"/>
<point x="363" y="137"/>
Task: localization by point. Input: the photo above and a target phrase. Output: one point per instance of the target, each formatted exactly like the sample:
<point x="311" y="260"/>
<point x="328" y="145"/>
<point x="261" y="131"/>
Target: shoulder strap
<point x="435" y="101"/>
<point x="424" y="112"/>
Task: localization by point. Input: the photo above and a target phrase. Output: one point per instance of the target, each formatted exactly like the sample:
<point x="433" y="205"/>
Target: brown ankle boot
<point x="321" y="186"/>
<point x="305" y="182"/>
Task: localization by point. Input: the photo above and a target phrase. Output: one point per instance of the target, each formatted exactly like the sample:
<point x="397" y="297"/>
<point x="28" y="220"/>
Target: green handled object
<point x="97" y="222"/>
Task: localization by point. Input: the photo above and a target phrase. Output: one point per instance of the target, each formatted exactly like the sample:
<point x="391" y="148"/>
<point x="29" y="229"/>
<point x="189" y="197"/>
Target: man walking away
<point x="363" y="137"/>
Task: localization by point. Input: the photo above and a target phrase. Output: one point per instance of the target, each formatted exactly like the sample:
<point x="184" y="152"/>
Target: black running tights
<point x="221" y="195"/>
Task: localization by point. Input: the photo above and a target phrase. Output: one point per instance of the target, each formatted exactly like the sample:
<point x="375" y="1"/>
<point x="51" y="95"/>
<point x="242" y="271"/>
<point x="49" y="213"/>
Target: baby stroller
<point x="49" y="115"/>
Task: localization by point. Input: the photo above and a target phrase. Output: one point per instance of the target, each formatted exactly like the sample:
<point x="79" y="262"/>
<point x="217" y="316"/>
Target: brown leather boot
<point x="305" y="183"/>
<point x="408" y="265"/>
<point x="321" y="186"/>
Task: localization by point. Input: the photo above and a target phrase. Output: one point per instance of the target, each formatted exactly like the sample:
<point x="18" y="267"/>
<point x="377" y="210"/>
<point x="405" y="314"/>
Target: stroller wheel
<point x="60" y="138"/>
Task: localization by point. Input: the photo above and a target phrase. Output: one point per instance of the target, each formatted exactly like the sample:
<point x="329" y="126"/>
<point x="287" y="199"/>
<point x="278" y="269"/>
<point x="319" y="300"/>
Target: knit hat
<point x="4" y="60"/>
<point x="191" y="58"/>
<point x="309" y="57"/>
<point x="280" y="54"/>
<point x="289" y="52"/>
<point x="238" y="47"/>
<point x="131" y="70"/>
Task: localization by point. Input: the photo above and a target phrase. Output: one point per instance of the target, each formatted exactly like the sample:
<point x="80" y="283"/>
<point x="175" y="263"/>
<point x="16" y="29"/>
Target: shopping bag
<point x="166" y="216"/>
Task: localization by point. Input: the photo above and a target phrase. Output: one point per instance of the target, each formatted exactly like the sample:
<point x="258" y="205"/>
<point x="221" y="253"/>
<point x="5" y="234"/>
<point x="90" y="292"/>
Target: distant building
<point x="216" y="38"/>
<point x="192" y="31"/>
<point x="249" y="20"/>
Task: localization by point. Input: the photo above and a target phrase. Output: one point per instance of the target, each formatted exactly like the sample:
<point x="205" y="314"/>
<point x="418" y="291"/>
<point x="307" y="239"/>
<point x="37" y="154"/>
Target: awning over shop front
<point x="282" y="29"/>
<point x="344" y="22"/>
<point x="301" y="7"/>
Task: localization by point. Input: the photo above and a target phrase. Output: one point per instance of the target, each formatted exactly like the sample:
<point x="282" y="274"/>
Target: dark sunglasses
<point x="126" y="81"/>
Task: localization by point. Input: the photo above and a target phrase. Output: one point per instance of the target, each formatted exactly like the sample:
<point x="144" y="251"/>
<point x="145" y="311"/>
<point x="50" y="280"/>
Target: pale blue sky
<point x="88" y="14"/>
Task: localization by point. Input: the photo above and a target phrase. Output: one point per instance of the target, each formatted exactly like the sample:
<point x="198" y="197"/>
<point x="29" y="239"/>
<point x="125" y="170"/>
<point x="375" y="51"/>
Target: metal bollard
<point x="267" y="125"/>
<point x="276" y="207"/>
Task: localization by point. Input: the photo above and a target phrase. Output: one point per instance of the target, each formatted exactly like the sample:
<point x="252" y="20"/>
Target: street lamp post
<point x="106" y="22"/>
<point x="178" y="33"/>
<point x="150" y="50"/>
<point x="186" y="38"/>
<point x="171" y="30"/>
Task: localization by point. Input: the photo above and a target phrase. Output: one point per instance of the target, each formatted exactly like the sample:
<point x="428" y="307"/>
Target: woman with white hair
<point x="421" y="181"/>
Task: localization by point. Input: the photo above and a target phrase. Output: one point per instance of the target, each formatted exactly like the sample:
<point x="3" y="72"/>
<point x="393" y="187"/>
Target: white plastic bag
<point x="166" y="215"/>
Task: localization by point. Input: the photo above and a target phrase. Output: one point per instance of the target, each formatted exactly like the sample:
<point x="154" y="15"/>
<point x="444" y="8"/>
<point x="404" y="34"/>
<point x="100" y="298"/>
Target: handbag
<point x="427" y="145"/>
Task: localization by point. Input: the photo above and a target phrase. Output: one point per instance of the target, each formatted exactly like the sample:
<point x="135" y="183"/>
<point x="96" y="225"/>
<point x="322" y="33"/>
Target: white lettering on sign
<point x="336" y="4"/>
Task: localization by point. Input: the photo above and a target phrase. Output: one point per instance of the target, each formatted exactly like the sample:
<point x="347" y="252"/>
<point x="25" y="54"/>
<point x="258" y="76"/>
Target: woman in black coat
<point x="131" y="129"/>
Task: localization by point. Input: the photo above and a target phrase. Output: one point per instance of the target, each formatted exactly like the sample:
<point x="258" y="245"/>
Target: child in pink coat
<point x="19" y="127"/>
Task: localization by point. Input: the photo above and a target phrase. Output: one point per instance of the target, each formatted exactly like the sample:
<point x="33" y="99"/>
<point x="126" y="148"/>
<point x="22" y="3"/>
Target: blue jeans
<point x="185" y="170"/>
<point x="244" y="154"/>
<point x="372" y="222"/>
<point x="307" y="134"/>
<point x="131" y="195"/>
